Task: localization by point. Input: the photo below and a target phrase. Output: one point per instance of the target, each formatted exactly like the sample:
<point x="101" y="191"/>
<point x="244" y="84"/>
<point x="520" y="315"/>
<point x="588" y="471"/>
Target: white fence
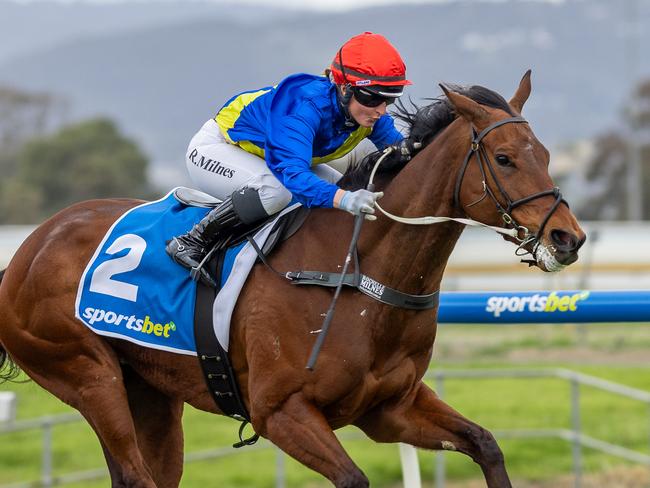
<point x="574" y="435"/>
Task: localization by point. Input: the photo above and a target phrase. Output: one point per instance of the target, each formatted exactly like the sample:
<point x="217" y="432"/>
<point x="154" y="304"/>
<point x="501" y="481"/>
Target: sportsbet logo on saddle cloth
<point x="132" y="290"/>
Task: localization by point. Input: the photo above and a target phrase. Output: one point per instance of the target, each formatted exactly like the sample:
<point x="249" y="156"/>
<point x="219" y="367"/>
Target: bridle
<point x="513" y="229"/>
<point x="477" y="148"/>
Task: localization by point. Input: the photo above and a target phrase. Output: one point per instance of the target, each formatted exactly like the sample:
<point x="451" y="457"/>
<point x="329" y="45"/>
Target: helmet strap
<point x="344" y="98"/>
<point x="344" y="104"/>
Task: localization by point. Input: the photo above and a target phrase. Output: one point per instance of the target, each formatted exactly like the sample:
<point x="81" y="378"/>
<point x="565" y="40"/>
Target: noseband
<point x="477" y="148"/>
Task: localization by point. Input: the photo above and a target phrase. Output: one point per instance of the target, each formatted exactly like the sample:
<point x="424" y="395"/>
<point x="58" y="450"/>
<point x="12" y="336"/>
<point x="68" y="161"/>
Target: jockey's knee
<point x="272" y="195"/>
<point x="248" y="205"/>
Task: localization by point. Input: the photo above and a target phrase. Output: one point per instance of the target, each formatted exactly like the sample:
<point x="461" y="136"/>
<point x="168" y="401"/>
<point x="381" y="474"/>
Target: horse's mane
<point x="423" y="124"/>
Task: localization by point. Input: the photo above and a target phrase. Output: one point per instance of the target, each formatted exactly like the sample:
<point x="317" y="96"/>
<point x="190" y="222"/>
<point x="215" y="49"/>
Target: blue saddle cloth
<point x="131" y="289"/>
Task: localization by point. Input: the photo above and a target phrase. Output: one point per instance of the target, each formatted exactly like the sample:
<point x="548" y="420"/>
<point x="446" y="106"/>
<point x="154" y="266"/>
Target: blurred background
<point x="100" y="98"/>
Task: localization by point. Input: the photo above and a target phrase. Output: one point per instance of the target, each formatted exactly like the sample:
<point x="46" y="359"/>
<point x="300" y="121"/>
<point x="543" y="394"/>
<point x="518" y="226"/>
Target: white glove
<point x="360" y="202"/>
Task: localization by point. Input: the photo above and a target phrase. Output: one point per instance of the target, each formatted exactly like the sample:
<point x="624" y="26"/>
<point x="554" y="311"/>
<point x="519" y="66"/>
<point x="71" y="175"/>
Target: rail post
<point x="46" y="468"/>
<point x="577" y="431"/>
<point x="441" y="474"/>
<point x="280" y="469"/>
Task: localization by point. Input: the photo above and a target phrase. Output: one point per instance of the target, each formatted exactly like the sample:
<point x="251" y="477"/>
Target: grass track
<point x="615" y="353"/>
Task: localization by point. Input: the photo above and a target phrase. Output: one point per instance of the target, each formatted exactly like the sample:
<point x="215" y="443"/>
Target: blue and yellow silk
<point x="295" y="125"/>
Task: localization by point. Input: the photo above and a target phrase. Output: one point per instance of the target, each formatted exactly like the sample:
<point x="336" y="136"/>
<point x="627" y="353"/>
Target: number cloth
<point x="132" y="290"/>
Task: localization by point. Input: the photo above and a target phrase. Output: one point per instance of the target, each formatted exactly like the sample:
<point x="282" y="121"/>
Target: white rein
<point x="433" y="220"/>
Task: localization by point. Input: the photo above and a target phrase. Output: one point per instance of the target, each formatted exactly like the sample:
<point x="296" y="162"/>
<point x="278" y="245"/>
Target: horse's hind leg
<point x="423" y="420"/>
<point x="158" y="425"/>
<point x="157" y="419"/>
<point x="80" y="368"/>
<point x="106" y="408"/>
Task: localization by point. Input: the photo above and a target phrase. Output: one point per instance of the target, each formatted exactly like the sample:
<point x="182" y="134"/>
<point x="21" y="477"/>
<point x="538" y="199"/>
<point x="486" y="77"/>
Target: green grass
<point x="497" y="404"/>
<point x="503" y="404"/>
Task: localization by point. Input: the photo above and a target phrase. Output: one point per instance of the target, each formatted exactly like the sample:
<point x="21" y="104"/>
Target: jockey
<point x="266" y="146"/>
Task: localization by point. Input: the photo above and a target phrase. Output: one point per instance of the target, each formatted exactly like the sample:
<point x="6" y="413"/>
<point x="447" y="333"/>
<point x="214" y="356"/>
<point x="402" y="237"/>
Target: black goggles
<point x="370" y="99"/>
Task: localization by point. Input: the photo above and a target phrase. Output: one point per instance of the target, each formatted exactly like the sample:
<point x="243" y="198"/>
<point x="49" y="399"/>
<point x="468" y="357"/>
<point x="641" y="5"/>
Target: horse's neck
<point x="412" y="258"/>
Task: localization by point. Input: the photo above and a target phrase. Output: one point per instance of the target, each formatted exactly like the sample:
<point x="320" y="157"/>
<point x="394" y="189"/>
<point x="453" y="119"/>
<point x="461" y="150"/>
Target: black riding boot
<point x="238" y="213"/>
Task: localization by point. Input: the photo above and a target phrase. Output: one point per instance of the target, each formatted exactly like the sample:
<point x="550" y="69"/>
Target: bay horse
<point x="369" y="372"/>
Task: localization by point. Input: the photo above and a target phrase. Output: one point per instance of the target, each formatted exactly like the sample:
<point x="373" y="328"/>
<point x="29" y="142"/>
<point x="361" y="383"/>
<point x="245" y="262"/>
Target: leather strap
<point x="368" y="286"/>
<point x="215" y="364"/>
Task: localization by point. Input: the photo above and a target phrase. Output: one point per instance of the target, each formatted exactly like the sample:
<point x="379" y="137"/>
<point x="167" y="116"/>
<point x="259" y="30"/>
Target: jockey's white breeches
<point x="219" y="168"/>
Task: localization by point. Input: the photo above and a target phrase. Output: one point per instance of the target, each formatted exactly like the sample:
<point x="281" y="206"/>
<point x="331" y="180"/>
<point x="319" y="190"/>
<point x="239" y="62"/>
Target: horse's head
<point x="505" y="180"/>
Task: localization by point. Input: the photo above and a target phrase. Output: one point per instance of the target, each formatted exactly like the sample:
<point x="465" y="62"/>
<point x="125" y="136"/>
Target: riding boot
<point x="236" y="214"/>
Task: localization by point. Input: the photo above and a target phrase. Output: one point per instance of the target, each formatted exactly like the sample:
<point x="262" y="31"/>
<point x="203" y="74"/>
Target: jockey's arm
<point x="289" y="146"/>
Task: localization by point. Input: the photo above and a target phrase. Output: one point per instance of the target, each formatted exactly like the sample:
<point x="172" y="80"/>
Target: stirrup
<point x="204" y="276"/>
<point x="201" y="273"/>
<point x="245" y="442"/>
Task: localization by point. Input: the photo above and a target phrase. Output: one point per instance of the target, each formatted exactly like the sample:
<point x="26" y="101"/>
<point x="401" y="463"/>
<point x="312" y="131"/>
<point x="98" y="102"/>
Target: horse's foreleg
<point x="423" y="420"/>
<point x="158" y="424"/>
<point x="301" y="431"/>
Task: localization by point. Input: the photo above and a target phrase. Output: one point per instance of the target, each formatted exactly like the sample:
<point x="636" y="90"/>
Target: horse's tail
<point x="8" y="369"/>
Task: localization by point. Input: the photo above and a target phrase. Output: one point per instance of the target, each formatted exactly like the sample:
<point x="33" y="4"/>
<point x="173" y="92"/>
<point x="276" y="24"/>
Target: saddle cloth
<point x="132" y="290"/>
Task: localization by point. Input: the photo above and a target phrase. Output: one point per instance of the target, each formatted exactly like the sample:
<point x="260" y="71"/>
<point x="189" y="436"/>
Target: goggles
<point x="370" y="99"/>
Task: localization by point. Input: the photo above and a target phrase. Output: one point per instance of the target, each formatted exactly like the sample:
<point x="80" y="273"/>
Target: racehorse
<point x="479" y="159"/>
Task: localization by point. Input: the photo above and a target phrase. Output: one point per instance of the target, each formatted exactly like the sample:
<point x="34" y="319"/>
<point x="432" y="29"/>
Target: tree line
<point x="606" y="183"/>
<point x="47" y="165"/>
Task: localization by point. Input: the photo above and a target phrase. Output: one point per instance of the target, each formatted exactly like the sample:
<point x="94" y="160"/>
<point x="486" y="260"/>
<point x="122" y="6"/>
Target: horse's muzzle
<point x="566" y="245"/>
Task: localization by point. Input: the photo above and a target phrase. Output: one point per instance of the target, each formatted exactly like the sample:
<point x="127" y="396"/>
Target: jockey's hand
<point x="360" y="202"/>
<point x="405" y="150"/>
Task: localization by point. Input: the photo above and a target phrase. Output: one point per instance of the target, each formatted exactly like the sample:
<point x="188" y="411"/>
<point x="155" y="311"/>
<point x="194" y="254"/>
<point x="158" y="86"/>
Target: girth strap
<point x="368" y="286"/>
<point x="215" y="364"/>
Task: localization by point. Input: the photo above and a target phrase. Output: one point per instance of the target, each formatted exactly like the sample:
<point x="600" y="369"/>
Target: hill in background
<point x="162" y="69"/>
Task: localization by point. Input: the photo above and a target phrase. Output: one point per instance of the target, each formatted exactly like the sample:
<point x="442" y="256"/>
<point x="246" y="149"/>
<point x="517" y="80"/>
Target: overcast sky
<point x="301" y="4"/>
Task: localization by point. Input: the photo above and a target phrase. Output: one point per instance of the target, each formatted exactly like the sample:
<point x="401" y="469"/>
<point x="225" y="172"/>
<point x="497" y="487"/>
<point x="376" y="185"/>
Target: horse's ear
<point x="522" y="93"/>
<point x="467" y="108"/>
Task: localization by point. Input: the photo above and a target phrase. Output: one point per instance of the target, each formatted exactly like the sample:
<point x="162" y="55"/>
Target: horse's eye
<point x="503" y="160"/>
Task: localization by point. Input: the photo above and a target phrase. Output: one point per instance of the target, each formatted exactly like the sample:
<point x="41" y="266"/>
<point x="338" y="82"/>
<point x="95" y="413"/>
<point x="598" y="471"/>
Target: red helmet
<point x="370" y="61"/>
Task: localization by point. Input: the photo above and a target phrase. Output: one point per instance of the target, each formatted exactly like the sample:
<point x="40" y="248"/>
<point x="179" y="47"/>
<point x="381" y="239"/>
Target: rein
<point x="518" y="232"/>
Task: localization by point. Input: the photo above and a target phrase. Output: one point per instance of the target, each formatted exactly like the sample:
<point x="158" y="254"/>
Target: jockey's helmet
<point x="370" y="63"/>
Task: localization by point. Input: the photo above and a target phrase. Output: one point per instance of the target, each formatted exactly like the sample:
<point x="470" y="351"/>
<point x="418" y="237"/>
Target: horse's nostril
<point x="565" y="241"/>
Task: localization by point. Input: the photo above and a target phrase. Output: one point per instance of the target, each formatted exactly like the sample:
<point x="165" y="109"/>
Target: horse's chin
<point x="546" y="257"/>
<point x="550" y="260"/>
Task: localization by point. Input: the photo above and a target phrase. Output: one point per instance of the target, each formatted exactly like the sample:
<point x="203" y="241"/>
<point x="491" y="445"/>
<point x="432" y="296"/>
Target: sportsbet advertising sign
<point x="544" y="306"/>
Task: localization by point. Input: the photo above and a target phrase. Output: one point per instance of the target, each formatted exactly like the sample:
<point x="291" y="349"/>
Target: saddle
<point x="195" y="198"/>
<point x="283" y="230"/>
